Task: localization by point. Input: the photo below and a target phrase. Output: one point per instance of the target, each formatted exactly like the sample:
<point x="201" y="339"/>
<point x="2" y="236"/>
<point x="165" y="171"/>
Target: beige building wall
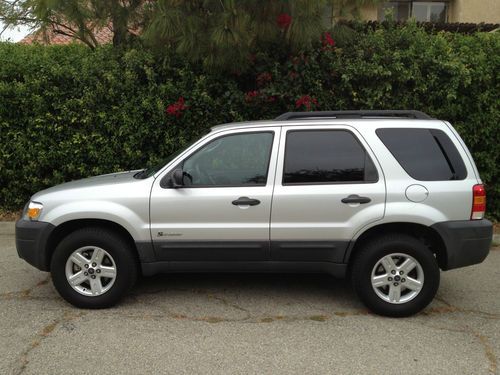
<point x="370" y="12"/>
<point x="475" y="11"/>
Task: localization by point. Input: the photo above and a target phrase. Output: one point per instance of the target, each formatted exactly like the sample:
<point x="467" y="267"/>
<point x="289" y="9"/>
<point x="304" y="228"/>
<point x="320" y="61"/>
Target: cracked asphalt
<point x="245" y="324"/>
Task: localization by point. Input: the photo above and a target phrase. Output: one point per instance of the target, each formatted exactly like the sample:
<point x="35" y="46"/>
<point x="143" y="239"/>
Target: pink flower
<point x="327" y="40"/>
<point x="176" y="109"/>
<point x="307" y="101"/>
<point x="251" y="95"/>
<point x="284" y="20"/>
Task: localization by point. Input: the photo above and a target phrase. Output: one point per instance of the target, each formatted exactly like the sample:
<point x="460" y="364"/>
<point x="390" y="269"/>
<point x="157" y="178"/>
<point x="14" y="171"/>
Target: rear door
<point x="328" y="185"/>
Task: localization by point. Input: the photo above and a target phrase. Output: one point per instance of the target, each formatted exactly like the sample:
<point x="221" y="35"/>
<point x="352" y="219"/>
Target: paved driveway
<point x="245" y="324"/>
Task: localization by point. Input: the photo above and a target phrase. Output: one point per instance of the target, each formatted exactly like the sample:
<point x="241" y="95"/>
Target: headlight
<point x="34" y="210"/>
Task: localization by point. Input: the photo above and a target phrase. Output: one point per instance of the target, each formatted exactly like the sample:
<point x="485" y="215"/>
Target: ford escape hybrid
<point x="387" y="198"/>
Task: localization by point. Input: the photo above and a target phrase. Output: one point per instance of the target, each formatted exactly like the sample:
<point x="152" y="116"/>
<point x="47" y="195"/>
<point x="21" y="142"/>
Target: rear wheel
<point x="395" y="275"/>
<point x="93" y="268"/>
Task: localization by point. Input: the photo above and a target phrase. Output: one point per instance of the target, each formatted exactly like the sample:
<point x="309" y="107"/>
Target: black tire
<point x="368" y="256"/>
<point x="116" y="246"/>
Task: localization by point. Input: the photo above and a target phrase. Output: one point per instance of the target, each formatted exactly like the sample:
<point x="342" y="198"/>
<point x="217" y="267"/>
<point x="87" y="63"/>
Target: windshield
<point x="148" y="172"/>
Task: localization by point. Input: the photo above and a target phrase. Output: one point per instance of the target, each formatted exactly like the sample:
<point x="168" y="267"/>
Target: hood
<point x="91" y="182"/>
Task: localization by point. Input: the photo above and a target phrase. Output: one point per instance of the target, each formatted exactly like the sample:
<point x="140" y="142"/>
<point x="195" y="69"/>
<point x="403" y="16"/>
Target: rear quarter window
<point x="425" y="154"/>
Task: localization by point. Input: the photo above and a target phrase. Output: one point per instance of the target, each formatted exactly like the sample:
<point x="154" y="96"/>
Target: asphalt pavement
<point x="245" y="324"/>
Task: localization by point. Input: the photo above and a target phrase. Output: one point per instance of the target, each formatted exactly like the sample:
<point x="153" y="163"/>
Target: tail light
<point x="478" y="202"/>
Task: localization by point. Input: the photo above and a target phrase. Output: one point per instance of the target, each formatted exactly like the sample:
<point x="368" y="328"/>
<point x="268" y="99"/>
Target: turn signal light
<point x="34" y="210"/>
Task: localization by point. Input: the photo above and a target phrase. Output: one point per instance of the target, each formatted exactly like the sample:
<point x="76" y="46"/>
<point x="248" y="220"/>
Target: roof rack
<point x="354" y="115"/>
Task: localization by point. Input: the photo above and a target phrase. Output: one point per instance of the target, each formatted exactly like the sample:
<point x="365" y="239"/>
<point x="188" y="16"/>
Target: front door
<point x="222" y="211"/>
<point x="327" y="187"/>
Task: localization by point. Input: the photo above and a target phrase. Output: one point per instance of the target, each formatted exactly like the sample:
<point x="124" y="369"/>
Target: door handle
<point x="245" y="201"/>
<point x="356" y="199"/>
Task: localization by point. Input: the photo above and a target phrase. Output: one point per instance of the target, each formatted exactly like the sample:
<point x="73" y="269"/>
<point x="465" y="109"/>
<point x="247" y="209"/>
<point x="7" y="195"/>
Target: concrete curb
<point x="7" y="228"/>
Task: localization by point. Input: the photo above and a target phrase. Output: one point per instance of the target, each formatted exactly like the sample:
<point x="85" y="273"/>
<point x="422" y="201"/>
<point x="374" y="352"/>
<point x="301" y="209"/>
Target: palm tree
<point x="223" y="34"/>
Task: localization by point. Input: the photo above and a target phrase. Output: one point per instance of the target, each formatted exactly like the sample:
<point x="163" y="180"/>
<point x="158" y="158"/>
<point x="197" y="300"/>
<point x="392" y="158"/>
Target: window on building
<point x="422" y="11"/>
<point x="429" y="11"/>
<point x="400" y="10"/>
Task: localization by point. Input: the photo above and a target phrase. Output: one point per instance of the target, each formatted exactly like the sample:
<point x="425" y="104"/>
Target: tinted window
<point x="234" y="160"/>
<point x="425" y="154"/>
<point x="326" y="156"/>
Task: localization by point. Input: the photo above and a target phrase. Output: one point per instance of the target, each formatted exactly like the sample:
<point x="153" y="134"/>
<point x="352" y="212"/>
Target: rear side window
<point x="326" y="157"/>
<point x="425" y="154"/>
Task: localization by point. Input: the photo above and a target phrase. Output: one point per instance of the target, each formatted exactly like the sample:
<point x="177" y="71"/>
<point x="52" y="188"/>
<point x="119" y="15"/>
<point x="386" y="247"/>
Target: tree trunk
<point x="119" y="20"/>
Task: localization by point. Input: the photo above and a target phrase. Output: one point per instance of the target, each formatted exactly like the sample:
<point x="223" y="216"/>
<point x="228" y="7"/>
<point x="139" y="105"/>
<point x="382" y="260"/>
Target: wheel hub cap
<point x="91" y="271"/>
<point x="397" y="278"/>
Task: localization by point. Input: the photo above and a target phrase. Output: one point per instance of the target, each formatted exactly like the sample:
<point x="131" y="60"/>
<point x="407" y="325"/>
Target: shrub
<point x="67" y="112"/>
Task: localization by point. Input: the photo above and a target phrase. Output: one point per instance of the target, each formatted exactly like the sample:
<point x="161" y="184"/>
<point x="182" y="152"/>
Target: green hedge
<point x="67" y="112"/>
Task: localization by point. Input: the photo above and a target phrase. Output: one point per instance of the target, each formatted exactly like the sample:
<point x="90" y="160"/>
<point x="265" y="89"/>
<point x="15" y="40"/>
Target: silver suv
<point x="385" y="197"/>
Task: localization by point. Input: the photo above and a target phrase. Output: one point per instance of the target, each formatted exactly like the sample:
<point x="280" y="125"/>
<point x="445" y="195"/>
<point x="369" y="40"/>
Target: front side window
<point x="326" y="157"/>
<point x="233" y="160"/>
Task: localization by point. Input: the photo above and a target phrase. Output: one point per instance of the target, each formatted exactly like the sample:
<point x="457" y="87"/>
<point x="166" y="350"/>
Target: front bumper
<point x="467" y="242"/>
<point x="31" y="242"/>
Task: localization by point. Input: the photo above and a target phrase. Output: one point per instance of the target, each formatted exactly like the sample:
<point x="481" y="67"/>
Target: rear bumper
<point x="467" y="242"/>
<point x="31" y="242"/>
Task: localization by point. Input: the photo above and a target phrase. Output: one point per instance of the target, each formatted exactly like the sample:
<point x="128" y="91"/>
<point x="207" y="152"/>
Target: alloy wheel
<point x="91" y="271"/>
<point x="397" y="278"/>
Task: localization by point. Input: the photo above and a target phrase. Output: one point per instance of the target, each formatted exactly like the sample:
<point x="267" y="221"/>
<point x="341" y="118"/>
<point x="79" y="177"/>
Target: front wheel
<point x="93" y="268"/>
<point x="395" y="275"/>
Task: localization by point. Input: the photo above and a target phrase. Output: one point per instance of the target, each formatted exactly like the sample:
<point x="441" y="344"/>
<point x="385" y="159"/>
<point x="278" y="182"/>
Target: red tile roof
<point x="103" y="36"/>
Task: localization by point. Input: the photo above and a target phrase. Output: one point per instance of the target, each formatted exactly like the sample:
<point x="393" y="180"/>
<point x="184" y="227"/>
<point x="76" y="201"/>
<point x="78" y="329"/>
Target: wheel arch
<point x="422" y="232"/>
<point x="64" y="229"/>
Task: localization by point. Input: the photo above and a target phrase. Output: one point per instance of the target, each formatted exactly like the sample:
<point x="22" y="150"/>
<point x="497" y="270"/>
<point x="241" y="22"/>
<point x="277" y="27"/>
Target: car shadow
<point x="245" y="281"/>
<point x="275" y="294"/>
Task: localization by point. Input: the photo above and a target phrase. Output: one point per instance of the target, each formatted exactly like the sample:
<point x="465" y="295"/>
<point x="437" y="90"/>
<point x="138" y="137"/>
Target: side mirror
<point x="177" y="178"/>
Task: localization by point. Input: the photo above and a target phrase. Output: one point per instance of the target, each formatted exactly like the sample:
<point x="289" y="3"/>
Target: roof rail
<point x="354" y="115"/>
